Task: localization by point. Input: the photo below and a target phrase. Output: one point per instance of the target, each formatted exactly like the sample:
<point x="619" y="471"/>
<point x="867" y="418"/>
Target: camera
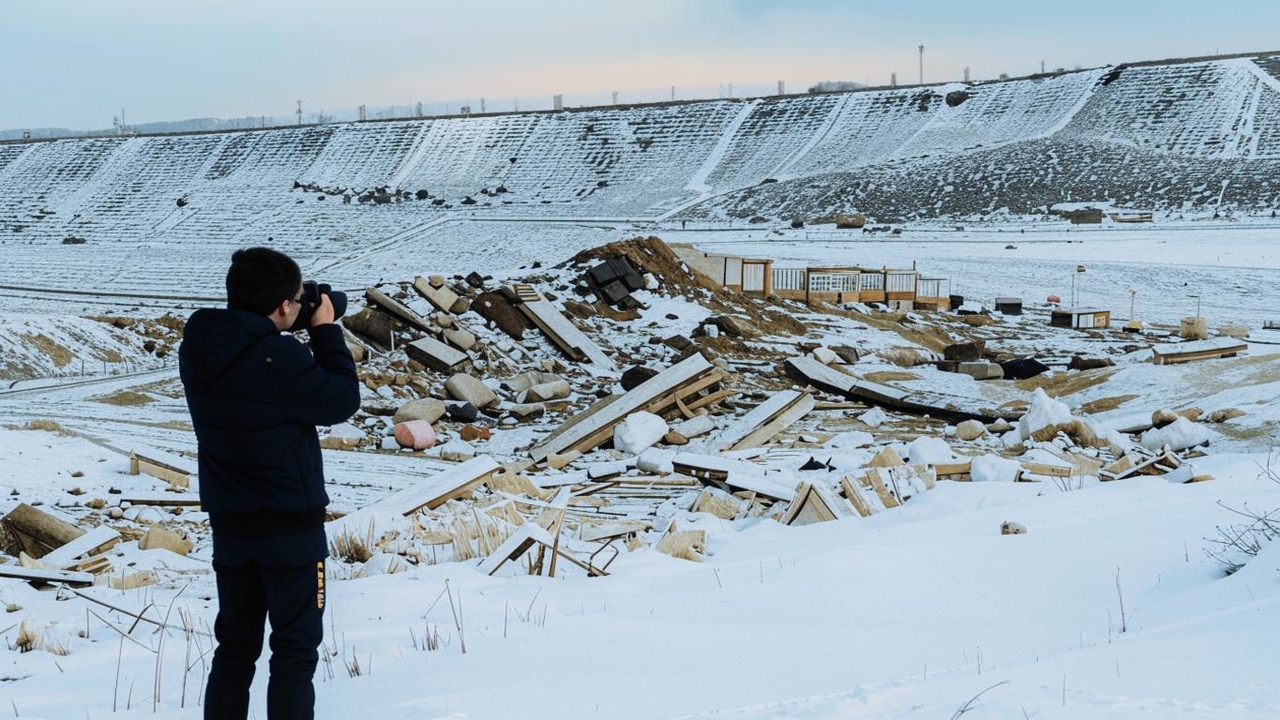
<point x="311" y="292"/>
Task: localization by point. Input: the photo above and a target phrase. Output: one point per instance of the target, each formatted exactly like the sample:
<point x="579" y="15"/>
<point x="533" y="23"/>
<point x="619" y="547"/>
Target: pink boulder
<point x="416" y="434"/>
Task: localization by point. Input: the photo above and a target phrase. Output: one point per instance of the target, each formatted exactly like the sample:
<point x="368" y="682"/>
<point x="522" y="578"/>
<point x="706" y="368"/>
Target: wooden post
<point x="39" y="532"/>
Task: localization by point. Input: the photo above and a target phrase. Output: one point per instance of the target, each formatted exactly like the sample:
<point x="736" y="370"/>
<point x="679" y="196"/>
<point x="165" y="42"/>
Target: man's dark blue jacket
<point x="256" y="397"/>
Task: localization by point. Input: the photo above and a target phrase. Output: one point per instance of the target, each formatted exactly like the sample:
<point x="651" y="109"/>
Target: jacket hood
<point x="216" y="338"/>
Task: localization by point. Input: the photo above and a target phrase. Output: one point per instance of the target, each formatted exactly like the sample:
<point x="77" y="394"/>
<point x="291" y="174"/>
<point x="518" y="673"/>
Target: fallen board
<point x="597" y="420"/>
<point x="1173" y="353"/>
<point x="764" y="421"/>
<point x="948" y="407"/>
<point x="559" y="329"/>
<point x="437" y="490"/>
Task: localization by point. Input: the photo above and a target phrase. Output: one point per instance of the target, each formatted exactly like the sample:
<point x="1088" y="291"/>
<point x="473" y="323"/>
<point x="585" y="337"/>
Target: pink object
<point x="416" y="434"/>
<point x="1053" y="299"/>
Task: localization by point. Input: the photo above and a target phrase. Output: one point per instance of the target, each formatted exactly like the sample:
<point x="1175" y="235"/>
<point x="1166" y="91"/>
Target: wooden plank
<point x="854" y="496"/>
<point x="950" y="407"/>
<point x="1172" y="353"/>
<point x="764" y="421"/>
<point x="97" y="540"/>
<point x="41" y="575"/>
<point x="603" y="416"/>
<point x="810" y="506"/>
<point x="163" y="499"/>
<point x="877" y="484"/>
<point x="39" y="532"/>
<point x="520" y="541"/>
<point x="560" y="331"/>
<point x="442" y="297"/>
<point x="175" y="470"/>
<point x="398" y="310"/>
<point x="434" y="492"/>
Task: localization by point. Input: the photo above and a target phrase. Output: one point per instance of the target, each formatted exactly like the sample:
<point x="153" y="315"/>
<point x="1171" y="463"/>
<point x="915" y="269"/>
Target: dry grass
<point x="59" y="355"/>
<point x="1105" y="404"/>
<point x="45" y="425"/>
<point x="883" y="376"/>
<point x="125" y="398"/>
<point x="1060" y="384"/>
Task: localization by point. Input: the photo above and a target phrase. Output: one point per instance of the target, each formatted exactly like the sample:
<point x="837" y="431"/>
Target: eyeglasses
<point x="295" y="301"/>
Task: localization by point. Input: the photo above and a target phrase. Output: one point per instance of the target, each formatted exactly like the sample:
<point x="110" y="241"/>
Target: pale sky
<point x="77" y="63"/>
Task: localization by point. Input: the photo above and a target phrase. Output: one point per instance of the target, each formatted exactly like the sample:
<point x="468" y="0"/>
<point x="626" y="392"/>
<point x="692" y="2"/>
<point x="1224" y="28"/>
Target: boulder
<point x="970" y="430"/>
<point x="428" y="409"/>
<point x="457" y="451"/>
<point x="469" y="389"/>
<point x="1009" y="527"/>
<point x="633" y="377"/>
<point x="546" y="391"/>
<point x="528" y="411"/>
<point x="463" y="412"/>
<point x="1162" y="417"/>
<point x="473" y="433"/>
<point x="342" y="437"/>
<point x="415" y="434"/>
<point x="965" y="352"/>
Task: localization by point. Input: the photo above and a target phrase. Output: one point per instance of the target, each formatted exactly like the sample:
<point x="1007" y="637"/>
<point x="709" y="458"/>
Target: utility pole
<point x="921" y="64"/>
<point x="673" y="93"/>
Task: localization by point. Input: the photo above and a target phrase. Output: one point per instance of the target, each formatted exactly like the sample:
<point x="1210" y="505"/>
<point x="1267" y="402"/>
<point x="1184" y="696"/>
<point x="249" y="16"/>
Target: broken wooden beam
<point x="594" y="426"/>
<point x="38" y="532"/>
<point x="948" y="407"/>
<point x="1173" y="353"/>
<point x="450" y="484"/>
<point x="559" y="330"/>
<point x="97" y="540"/>
<point x="764" y="421"/>
<point x="175" y="470"/>
<point x="46" y="576"/>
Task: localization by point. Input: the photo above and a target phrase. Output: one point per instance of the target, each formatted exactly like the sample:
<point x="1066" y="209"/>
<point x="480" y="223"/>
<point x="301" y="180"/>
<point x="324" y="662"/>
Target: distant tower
<point x="893" y="79"/>
<point x="673" y="93"/>
<point x="730" y="89"/>
<point x="557" y="102"/>
<point x="966" y="74"/>
<point x="299" y="111"/>
<point x="615" y="97"/>
<point x="363" y="115"/>
<point x="921" y="64"/>
<point x="782" y="87"/>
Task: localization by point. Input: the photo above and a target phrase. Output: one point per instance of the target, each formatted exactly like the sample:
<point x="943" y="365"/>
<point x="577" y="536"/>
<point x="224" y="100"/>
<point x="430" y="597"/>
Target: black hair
<point x="260" y="279"/>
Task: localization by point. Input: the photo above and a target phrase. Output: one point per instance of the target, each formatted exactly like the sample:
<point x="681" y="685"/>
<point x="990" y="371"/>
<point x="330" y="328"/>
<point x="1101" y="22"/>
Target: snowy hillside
<point x="1162" y="136"/>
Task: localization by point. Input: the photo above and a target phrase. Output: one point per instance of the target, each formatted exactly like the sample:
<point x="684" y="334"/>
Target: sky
<point x="77" y="64"/>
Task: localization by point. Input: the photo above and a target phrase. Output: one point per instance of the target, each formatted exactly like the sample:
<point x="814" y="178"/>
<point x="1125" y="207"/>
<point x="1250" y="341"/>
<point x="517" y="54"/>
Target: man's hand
<point x="323" y="314"/>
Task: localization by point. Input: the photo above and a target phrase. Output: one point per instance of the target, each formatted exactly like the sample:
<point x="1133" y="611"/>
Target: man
<point x="255" y="397"/>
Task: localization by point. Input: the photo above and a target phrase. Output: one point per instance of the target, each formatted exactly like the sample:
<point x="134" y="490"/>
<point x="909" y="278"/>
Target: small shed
<point x="1080" y="318"/>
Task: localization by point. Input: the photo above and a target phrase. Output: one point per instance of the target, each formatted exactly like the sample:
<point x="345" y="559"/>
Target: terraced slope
<point x="1171" y="136"/>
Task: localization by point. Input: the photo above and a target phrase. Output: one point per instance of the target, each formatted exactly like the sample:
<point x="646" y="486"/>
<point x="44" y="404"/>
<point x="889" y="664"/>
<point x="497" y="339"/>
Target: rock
<point x="528" y="411"/>
<point x="460" y="305"/>
<point x="526" y="380"/>
<point x="1239" y="332"/>
<point x="546" y="391"/>
<point x="970" y="430"/>
<point x="457" y="451"/>
<point x="965" y="352"/>
<point x="1219" y="416"/>
<point x="158" y="536"/>
<point x="675" y="438"/>
<point x="1023" y="368"/>
<point x="635" y="376"/>
<point x="469" y="389"/>
<point x="1080" y="362"/>
<point x="999" y="426"/>
<point x="373" y="326"/>
<point x="459" y="338"/>
<point x="463" y="412"/>
<point x="389" y="443"/>
<point x="495" y="307"/>
<point x="732" y="326"/>
<point x="825" y="356"/>
<point x="415" y="434"/>
<point x="888" y="457"/>
<point x="848" y="355"/>
<point x="428" y="409"/>
<point x="1009" y="527"/>
<point x="472" y="433"/>
<point x="874" y="417"/>
<point x="1192" y="413"/>
<point x="342" y="437"/>
<point x="981" y="370"/>
<point x="1162" y="417"/>
<point x="901" y="356"/>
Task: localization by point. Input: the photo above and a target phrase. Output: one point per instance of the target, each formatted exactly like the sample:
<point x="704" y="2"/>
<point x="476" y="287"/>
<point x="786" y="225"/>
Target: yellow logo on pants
<point x="320" y="584"/>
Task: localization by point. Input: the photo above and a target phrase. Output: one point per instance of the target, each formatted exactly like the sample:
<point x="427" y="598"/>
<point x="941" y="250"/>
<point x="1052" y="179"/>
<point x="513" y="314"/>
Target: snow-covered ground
<point x="1108" y="607"/>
